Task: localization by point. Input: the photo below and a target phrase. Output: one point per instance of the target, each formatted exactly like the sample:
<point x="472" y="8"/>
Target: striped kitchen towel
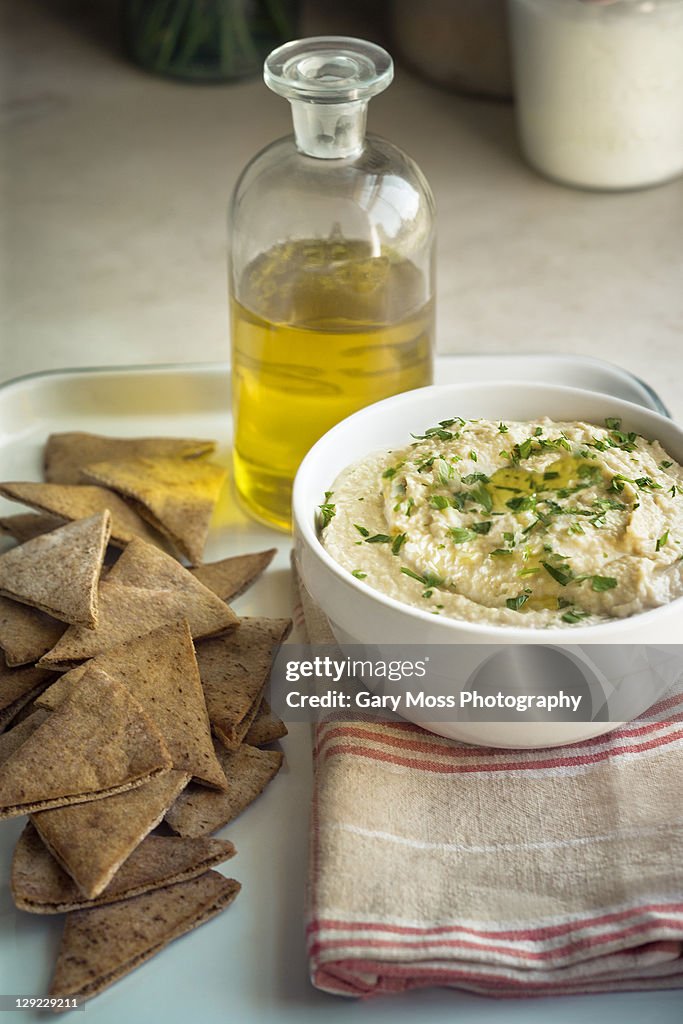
<point x="503" y="872"/>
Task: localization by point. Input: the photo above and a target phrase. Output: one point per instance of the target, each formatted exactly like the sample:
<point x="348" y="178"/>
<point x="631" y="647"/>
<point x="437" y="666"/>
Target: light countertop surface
<point x="116" y="185"/>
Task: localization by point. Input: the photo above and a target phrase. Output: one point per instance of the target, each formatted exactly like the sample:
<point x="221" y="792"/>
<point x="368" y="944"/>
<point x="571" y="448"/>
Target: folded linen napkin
<point x="503" y="872"/>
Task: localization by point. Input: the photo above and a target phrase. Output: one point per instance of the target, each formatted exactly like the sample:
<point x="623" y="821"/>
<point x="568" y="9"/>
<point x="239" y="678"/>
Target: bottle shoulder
<point x="281" y="167"/>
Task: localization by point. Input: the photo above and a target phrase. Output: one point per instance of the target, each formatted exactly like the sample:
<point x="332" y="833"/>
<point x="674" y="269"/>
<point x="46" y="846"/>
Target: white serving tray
<point x="248" y="965"/>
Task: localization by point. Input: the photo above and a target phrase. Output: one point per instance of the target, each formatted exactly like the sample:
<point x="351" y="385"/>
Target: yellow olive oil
<point x="320" y="329"/>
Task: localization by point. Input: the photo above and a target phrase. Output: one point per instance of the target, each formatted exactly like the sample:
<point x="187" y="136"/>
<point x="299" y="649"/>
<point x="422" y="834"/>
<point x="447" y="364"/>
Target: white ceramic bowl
<point x="359" y="614"/>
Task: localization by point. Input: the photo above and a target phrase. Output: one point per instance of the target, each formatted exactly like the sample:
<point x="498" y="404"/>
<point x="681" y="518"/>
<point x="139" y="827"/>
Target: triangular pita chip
<point x="18" y="734"/>
<point x="160" y="670"/>
<point x="266" y="727"/>
<point x="232" y="576"/>
<point x="234" y="670"/>
<point x="127" y="612"/>
<point x="103" y="944"/>
<point x="177" y="496"/>
<point x="111" y="743"/>
<point x="198" y="812"/>
<point x="58" y="572"/>
<point x="27" y="525"/>
<point x="18" y="687"/>
<point x="40" y="886"/>
<point x="64" y="685"/>
<point x="68" y="453"/>
<point x="25" y="633"/>
<point x="17" y="682"/>
<point x="92" y="840"/>
<point x="143" y="565"/>
<point x="78" y="502"/>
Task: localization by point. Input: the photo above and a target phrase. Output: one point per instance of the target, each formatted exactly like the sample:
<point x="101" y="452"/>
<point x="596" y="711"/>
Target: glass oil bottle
<point x="331" y="269"/>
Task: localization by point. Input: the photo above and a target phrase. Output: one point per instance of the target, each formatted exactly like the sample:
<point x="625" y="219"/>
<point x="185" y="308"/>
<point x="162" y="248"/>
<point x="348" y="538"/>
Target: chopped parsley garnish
<point x="444" y="472"/>
<point x="359" y="574"/>
<point x="523" y="450"/>
<point x="646" y="483"/>
<point x="327" y="510"/>
<point x="379" y="538"/>
<point x="361" y="529"/>
<point x="500" y="551"/>
<point x="531" y="571"/>
<point x="482" y="497"/>
<point x="473" y="456"/>
<point x="459" y="500"/>
<point x="388" y="473"/>
<point x="398" y="542"/>
<point x="617" y="482"/>
<point x="482" y="527"/>
<point x="590" y="474"/>
<point x="574" y="615"/>
<point x="439" y="501"/>
<point x="612" y="423"/>
<point x="661" y="541"/>
<point x="515" y="604"/>
<point x="523" y="504"/>
<point x="440" y="432"/>
<point x="563" y="576"/>
<point x="665" y="464"/>
<point x="428" y="580"/>
<point x="502" y="428"/>
<point x="473" y="478"/>
<point x="601" y="583"/>
<point x="459" y="534"/>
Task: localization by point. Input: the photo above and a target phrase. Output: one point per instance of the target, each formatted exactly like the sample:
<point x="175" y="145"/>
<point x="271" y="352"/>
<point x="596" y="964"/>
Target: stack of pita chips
<point x="131" y="697"/>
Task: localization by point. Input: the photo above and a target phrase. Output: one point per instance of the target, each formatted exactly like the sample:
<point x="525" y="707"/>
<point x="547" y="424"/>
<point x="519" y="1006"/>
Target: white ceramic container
<point x="361" y="615"/>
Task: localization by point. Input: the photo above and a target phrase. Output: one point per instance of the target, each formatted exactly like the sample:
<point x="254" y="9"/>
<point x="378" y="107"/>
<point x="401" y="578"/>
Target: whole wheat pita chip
<point x="27" y="525"/>
<point x="18" y="687"/>
<point x="101" y="945"/>
<point x="234" y="670"/>
<point x="67" y="454"/>
<point x="58" y="572"/>
<point x="232" y="576"/>
<point x="266" y="727"/>
<point x="177" y="496"/>
<point x="40" y="886"/>
<point x="127" y="612"/>
<point x="160" y="670"/>
<point x="111" y="743"/>
<point x="198" y="812"/>
<point x="92" y="840"/>
<point x="143" y="565"/>
<point x="25" y="633"/>
<point x="78" y="502"/>
<point x="14" y="737"/>
<point x="17" y="682"/>
<point x="64" y="685"/>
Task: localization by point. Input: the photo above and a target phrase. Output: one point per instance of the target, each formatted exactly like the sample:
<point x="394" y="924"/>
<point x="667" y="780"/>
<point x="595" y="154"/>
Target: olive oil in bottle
<point x="331" y="269"/>
<point x="336" y="329"/>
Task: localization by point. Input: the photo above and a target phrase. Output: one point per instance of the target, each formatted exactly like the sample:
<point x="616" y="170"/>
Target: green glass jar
<point x="206" y="40"/>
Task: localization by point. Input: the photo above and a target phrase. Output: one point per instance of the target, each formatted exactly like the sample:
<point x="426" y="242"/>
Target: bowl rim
<point x="305" y="523"/>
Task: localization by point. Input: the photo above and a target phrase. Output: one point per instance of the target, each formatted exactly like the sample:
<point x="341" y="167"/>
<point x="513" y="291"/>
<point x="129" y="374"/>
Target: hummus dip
<point x="519" y="524"/>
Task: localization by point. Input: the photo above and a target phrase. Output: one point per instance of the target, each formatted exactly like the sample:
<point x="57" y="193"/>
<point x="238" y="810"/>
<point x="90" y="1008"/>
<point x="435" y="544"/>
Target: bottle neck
<point x="329" y="131"/>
